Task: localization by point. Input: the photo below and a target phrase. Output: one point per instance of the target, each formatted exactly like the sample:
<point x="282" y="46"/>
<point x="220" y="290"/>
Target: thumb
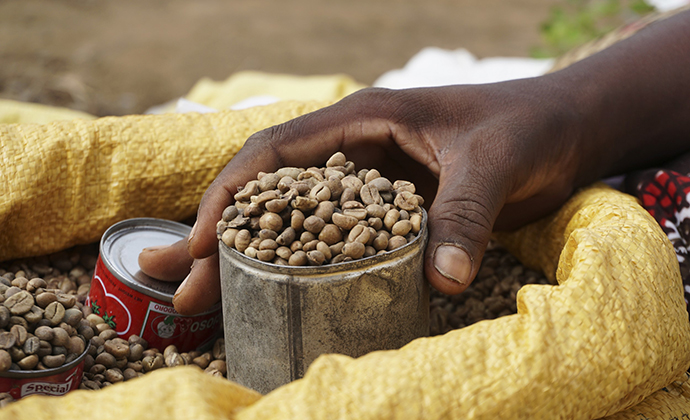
<point x="461" y="220"/>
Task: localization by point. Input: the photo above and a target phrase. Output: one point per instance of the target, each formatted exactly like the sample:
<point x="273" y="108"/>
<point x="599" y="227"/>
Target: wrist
<point x="582" y="126"/>
<point x="633" y="101"/>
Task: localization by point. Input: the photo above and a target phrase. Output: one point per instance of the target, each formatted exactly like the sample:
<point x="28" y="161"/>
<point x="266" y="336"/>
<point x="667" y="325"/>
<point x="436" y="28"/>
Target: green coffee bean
<point x="19" y="303"/>
<point x="381" y="184"/>
<point x="406" y="201"/>
<point x="5" y="315"/>
<point x="136" y="352"/>
<point x="106" y="359"/>
<point x="5" y="361"/>
<point x="53" y="361"/>
<point x="128" y="374"/>
<point x="108" y="333"/>
<point x="60" y="337"/>
<point x="7" y="340"/>
<point x="29" y="362"/>
<point x="45" y="298"/>
<point x="67" y="300"/>
<point x="73" y="316"/>
<point x="54" y="312"/>
<point x="20" y="333"/>
<point x="337" y="159"/>
<point x="230" y="213"/>
<point x="354" y="250"/>
<point x="32" y="345"/>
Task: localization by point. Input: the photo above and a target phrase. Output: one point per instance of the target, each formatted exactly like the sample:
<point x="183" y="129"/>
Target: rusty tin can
<point x="134" y="303"/>
<point x="279" y="319"/>
<point x="55" y="381"/>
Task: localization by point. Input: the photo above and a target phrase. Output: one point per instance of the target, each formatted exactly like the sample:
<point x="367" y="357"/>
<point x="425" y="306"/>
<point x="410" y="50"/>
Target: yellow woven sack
<point x="245" y="84"/>
<point x="14" y="112"/>
<point x="612" y="333"/>
<point x="182" y="393"/>
<point x="65" y="182"/>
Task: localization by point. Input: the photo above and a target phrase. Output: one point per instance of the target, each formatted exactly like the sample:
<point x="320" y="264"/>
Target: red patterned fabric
<point x="666" y="195"/>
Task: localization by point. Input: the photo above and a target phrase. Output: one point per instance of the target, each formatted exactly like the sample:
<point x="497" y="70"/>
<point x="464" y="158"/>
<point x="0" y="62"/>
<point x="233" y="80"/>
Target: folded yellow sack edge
<point x="64" y="183"/>
<point x="611" y="333"/>
<point x="247" y="84"/>
<point x="174" y="393"/>
<point x="15" y="112"/>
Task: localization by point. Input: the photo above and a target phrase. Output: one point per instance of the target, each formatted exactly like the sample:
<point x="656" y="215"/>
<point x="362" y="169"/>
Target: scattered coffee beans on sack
<point x="44" y="324"/>
<point x="111" y="359"/>
<point x="316" y="216"/>
<point x="491" y="295"/>
<point x="41" y="313"/>
<point x="67" y="275"/>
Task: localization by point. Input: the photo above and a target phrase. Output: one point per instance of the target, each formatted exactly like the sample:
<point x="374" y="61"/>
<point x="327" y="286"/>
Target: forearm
<point x="633" y="100"/>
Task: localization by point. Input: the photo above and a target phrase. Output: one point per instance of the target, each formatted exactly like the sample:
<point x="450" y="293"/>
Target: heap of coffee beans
<point x="40" y="327"/>
<point x="319" y="216"/>
<point x="55" y="287"/>
<point x="111" y="360"/>
<point x="491" y="295"/>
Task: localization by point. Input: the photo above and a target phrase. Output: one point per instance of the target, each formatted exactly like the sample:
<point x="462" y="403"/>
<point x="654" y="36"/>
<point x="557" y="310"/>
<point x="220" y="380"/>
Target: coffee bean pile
<point x="491" y="295"/>
<point x="111" y="359"/>
<point x="41" y="326"/>
<point x="55" y="287"/>
<point x="319" y="216"/>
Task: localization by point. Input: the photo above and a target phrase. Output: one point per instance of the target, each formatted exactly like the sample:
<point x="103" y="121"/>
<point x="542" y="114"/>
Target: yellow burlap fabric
<point x="246" y="84"/>
<point x="13" y="112"/>
<point x="183" y="393"/>
<point x="64" y="183"/>
<point x="613" y="332"/>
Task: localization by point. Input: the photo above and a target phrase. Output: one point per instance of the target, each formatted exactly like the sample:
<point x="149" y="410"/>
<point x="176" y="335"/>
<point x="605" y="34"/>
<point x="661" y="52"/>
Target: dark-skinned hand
<point x="486" y="157"/>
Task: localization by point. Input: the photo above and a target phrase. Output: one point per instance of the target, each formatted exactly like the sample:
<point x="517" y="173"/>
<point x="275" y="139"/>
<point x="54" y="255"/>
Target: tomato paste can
<point x="55" y="381"/>
<point x="134" y="303"/>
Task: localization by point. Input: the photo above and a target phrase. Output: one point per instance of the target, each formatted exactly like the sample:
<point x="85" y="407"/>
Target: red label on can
<point x="56" y="384"/>
<point x="129" y="312"/>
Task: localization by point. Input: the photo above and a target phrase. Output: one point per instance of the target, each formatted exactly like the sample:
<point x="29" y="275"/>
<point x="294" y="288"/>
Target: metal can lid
<point x="123" y="242"/>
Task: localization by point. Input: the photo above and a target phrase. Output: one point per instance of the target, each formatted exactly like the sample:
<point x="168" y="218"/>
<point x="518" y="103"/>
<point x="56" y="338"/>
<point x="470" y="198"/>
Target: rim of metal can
<point x="33" y="374"/>
<point x="120" y="247"/>
<point x="360" y="264"/>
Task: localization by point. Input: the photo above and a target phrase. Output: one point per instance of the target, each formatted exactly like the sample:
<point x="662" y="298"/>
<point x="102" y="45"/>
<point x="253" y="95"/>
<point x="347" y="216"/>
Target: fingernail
<point x="181" y="287"/>
<point x="191" y="233"/>
<point x="155" y="248"/>
<point x="454" y="263"/>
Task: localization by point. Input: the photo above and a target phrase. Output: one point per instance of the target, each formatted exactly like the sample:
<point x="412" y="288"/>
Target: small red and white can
<point x="134" y="303"/>
<point x="56" y="381"/>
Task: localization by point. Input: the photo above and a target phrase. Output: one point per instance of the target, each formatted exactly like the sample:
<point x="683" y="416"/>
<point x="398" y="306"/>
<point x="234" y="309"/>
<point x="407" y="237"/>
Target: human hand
<point x="486" y="157"/>
<point x="492" y="156"/>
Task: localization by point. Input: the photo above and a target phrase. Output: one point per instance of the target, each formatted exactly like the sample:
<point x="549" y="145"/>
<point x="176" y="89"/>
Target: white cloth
<point x="666" y="5"/>
<point x="438" y="67"/>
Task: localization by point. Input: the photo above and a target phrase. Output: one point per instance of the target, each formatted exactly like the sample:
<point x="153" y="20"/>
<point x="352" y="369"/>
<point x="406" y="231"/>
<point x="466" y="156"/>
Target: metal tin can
<point x="134" y="303"/>
<point x="56" y="381"/>
<point x="282" y="318"/>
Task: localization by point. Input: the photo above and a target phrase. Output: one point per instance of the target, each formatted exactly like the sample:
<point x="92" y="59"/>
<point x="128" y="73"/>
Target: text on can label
<point x="45" y="388"/>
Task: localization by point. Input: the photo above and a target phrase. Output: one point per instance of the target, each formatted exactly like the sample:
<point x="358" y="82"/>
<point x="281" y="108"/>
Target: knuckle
<point x="372" y="102"/>
<point x="370" y="94"/>
<point x="469" y="215"/>
<point x="273" y="141"/>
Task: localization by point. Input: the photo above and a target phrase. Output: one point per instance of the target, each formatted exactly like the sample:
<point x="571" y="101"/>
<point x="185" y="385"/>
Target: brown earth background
<point x="121" y="57"/>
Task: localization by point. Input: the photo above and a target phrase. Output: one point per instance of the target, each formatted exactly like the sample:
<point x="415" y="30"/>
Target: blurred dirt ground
<point x="121" y="57"/>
